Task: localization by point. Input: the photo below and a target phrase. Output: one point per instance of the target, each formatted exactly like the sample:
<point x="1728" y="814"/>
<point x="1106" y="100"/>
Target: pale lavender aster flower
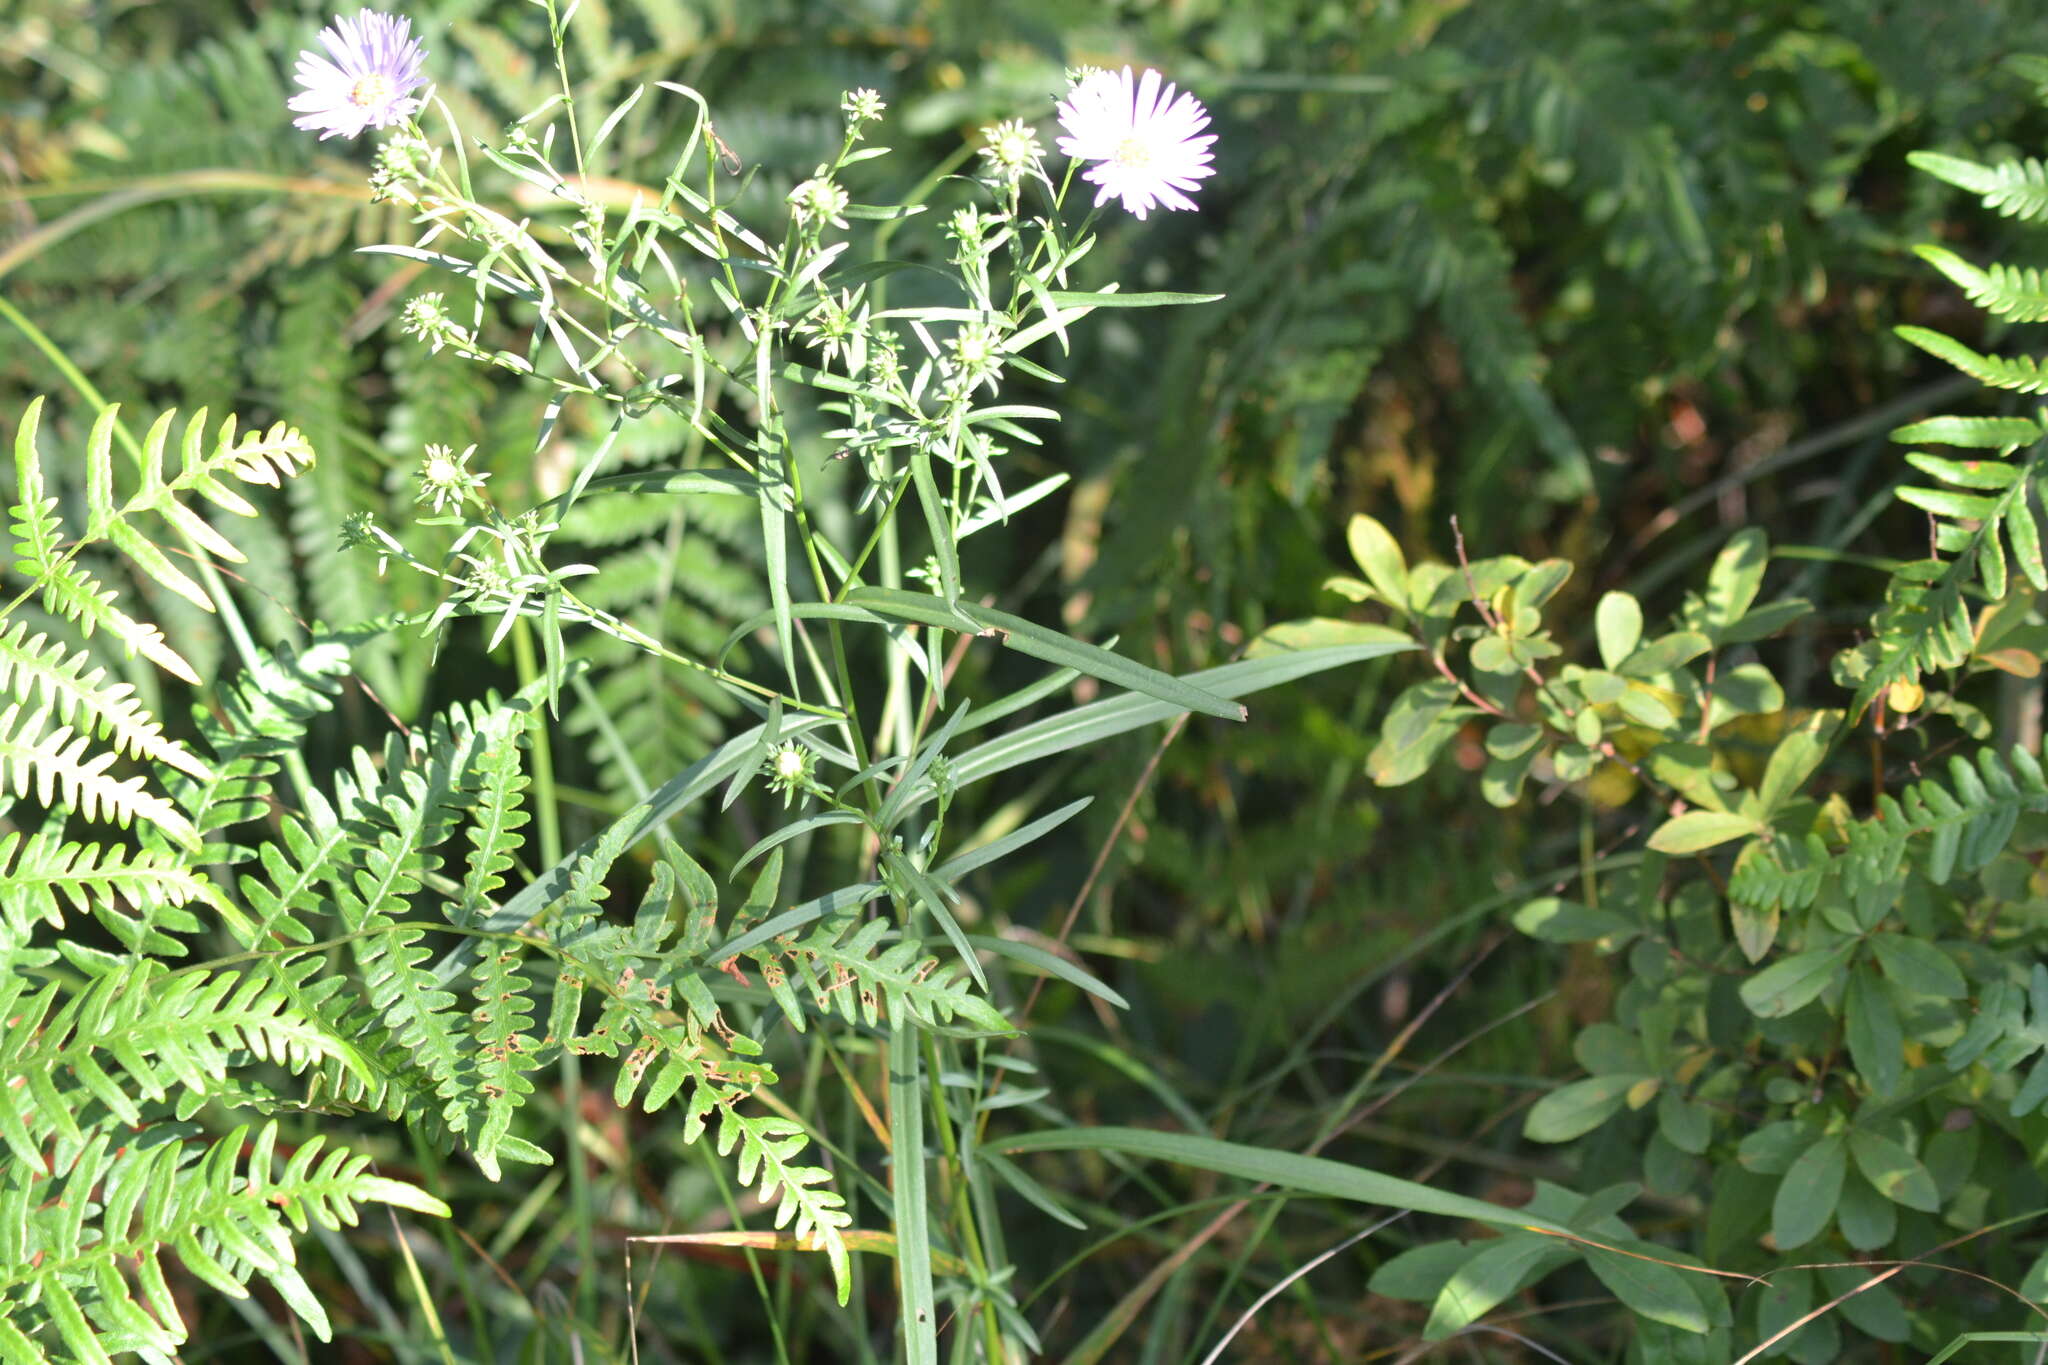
<point x="368" y="84"/>
<point x="1144" y="139"/>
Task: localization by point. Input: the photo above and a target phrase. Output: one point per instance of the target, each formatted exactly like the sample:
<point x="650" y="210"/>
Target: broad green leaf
<point x="1490" y="654"/>
<point x="1699" y="829"/>
<point x="1688" y="769"/>
<point x="1781" y="1305"/>
<point x="1765" y="621"/>
<point x="1733" y="580"/>
<point x="1786" y="986"/>
<point x="1576" y="1109"/>
<point x="1618" y="625"/>
<point x="1512" y="739"/>
<point x="1807" y="1195"/>
<point x="1643" y="706"/>
<point x="1798" y="754"/>
<point x="1502" y="779"/>
<point x="1420" y="1273"/>
<point x="1379" y="555"/>
<point x="1918" y="966"/>
<point x="1895" y="1172"/>
<point x="1872" y="1307"/>
<point x="1458" y="587"/>
<point x="1541" y="582"/>
<point x="1745" y="690"/>
<point x="1686" y="1125"/>
<point x="1562" y="921"/>
<point x="1608" y="1047"/>
<point x="1772" y="1149"/>
<point x="1665" y="653"/>
<point x="1494" y="1273"/>
<point x="1867" y="1219"/>
<point x="1876" y="1040"/>
<point x="1755" y="929"/>
<point x="1657" y="1292"/>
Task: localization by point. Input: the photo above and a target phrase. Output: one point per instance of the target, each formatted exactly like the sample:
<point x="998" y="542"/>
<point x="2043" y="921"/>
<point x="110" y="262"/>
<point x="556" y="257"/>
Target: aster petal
<point x="1145" y="109"/>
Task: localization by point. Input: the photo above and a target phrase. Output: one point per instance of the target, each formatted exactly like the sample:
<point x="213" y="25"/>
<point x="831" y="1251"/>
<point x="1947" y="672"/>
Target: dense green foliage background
<point x="1601" y="281"/>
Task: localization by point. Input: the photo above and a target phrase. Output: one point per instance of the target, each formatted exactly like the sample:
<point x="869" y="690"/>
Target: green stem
<point x="556" y="30"/>
<point x="543" y="756"/>
<point x="963" y="1211"/>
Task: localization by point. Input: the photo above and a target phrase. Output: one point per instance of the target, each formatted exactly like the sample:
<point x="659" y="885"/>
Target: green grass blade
<point x="1305" y="1174"/>
<point x="918" y="1310"/>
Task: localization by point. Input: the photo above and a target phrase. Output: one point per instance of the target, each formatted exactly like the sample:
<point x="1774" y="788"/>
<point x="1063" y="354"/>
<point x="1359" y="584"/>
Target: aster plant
<point x="404" y="951"/>
<point x="621" y="304"/>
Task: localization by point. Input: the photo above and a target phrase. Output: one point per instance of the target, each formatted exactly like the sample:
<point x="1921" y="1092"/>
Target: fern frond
<point x="2023" y="374"/>
<point x="1784" y="874"/>
<point x="136" y="1035"/>
<point x="2017" y="189"/>
<point x="33" y="666"/>
<point x="68" y="590"/>
<point x="391" y="841"/>
<point x="2010" y="1026"/>
<point x="503" y="1012"/>
<point x="266" y="459"/>
<point x="863" y="981"/>
<point x="366" y="857"/>
<point x="2017" y="294"/>
<point x="768" y="1147"/>
<point x="41" y="874"/>
<point x="1968" y="826"/>
<point x="53" y="765"/>
<point x="1924" y="627"/>
<point x="227" y="1219"/>
<point x="501" y="814"/>
<point x="264" y="713"/>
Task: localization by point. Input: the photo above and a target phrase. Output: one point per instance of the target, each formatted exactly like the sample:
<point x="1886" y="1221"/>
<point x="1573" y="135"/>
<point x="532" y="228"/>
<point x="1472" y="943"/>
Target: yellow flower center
<point x="371" y="89"/>
<point x="1133" y="153"/>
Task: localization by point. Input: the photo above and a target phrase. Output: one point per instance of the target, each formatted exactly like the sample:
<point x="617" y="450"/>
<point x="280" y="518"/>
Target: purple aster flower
<point x="369" y="83"/>
<point x="1143" y="139"/>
